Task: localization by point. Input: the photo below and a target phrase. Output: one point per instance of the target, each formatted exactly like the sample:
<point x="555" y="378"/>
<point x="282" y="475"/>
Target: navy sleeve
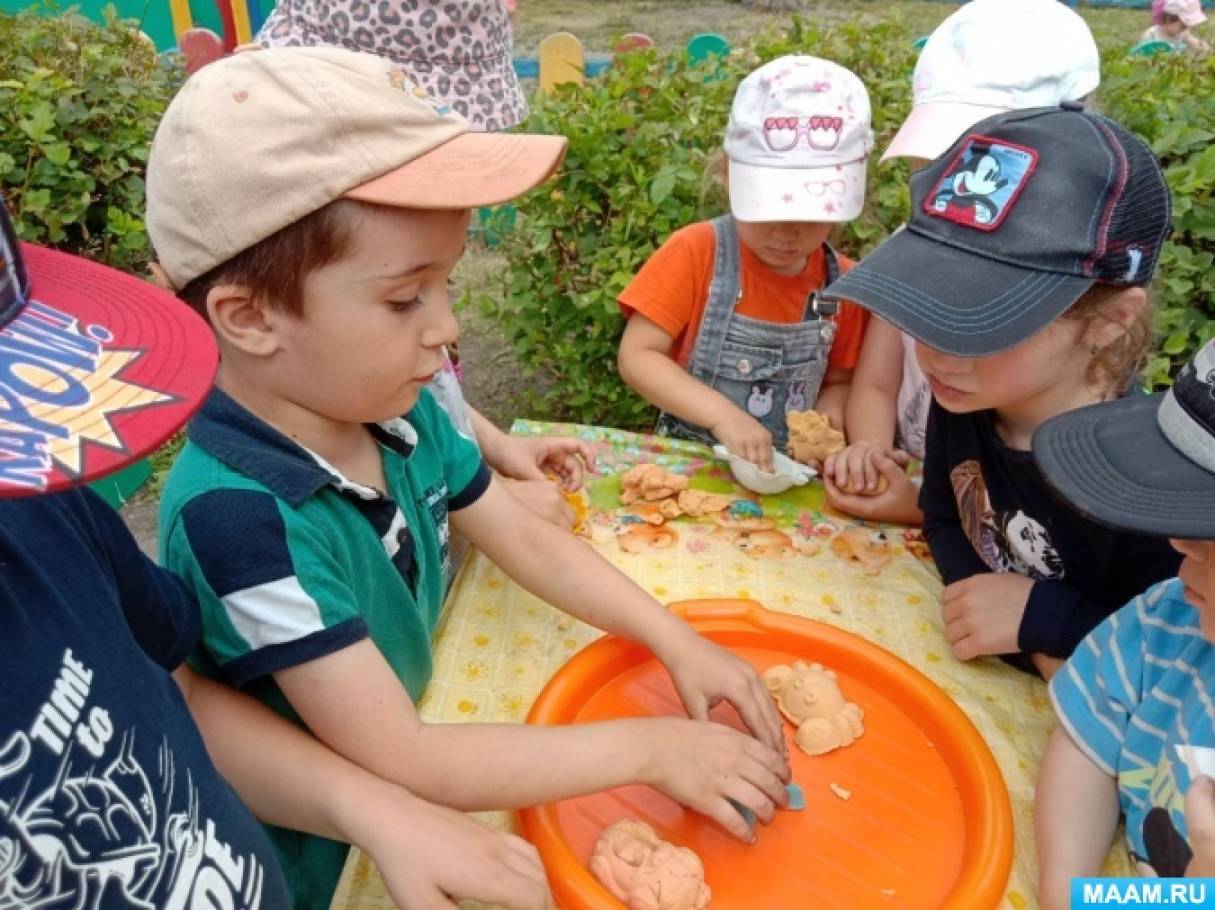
<point x="1059" y="615"/>
<point x="956" y="559"/>
<point x="161" y="613"/>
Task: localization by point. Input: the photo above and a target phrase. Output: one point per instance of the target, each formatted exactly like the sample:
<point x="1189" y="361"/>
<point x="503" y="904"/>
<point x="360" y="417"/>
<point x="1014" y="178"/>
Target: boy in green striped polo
<point x="312" y="204"/>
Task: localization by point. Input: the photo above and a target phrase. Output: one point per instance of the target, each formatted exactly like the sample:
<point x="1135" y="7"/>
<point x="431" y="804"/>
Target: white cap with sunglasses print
<point x="798" y="142"/>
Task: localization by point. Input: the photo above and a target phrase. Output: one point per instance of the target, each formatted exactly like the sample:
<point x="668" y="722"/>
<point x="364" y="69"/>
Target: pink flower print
<point x="829" y="207"/>
<point x="805" y="525"/>
<point x="823" y="529"/>
<point x="822" y="132"/>
<point x="697" y="545"/>
<point x="823" y="85"/>
<point x="787" y="198"/>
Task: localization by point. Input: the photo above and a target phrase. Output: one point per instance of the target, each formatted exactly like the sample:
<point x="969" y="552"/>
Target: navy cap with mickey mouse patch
<point x="1144" y="463"/>
<point x="1012" y="226"/>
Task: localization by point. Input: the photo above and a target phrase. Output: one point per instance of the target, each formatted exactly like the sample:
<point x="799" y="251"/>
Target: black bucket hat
<point x="1144" y="463"/>
<point x="1012" y="226"/>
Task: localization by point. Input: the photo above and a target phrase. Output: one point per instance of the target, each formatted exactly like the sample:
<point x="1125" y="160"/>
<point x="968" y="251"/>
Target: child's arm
<point x="1075" y="815"/>
<point x="645" y="363"/>
<point x="872" y="401"/>
<point x="570" y="575"/>
<point x="833" y="396"/>
<point x="1194" y="43"/>
<point x="529" y="458"/>
<point x="352" y="701"/>
<point x="426" y="854"/>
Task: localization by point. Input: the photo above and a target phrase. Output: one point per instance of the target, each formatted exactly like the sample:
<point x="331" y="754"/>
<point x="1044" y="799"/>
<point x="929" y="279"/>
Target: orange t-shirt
<point x="672" y="290"/>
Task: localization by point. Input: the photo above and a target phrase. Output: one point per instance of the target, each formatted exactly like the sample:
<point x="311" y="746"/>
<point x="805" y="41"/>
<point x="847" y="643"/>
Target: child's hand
<point x="744" y="436"/>
<point x="535" y="457"/>
<point x="430" y="856"/>
<point x="1200" y="822"/>
<point x="857" y="468"/>
<point x="706" y="674"/>
<point x="702" y="765"/>
<point x="544" y="498"/>
<point x="899" y="502"/>
<point x="982" y="614"/>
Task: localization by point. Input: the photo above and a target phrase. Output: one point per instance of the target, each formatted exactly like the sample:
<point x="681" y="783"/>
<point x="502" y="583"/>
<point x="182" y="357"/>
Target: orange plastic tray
<point x="928" y="823"/>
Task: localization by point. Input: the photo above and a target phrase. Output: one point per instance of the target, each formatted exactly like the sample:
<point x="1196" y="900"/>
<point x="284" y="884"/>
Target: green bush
<point x="1167" y="101"/>
<point x="78" y="106"/>
<point x="642" y="133"/>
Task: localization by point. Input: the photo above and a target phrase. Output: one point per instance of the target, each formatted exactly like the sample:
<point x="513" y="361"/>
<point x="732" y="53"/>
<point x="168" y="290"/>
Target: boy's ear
<point x="240" y="321"/>
<point x="1119" y="313"/>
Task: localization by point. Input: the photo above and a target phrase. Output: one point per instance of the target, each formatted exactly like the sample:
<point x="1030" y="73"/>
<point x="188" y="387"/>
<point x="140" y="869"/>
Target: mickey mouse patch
<point x="981" y="185"/>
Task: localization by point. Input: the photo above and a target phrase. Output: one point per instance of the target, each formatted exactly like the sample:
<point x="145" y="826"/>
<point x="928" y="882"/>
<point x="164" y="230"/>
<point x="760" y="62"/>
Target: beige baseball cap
<point x="256" y="141"/>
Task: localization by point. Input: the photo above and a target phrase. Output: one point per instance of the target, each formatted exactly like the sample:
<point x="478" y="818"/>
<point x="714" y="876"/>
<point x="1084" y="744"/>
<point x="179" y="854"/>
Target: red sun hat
<point x="97" y="368"/>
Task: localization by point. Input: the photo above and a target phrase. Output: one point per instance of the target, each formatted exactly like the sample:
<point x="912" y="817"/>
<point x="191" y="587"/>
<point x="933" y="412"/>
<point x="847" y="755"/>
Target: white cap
<point x="798" y="141"/>
<point x="992" y="56"/>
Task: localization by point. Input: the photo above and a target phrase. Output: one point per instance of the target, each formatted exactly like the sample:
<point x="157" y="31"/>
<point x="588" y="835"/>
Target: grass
<point x="600" y="23"/>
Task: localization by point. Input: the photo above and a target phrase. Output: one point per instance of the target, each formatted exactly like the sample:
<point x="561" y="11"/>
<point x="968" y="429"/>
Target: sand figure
<point x="744" y="515"/>
<point x="863" y="545"/>
<point x="645" y="872"/>
<point x="809" y="696"/>
<point x="811" y="438"/>
<point x="650" y="483"/>
<point x="699" y="503"/>
<point x="639" y="536"/>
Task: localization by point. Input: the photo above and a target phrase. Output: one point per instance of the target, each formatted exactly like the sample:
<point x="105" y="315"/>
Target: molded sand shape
<point x="868" y="547"/>
<point x="640" y="536"/>
<point x="650" y="483"/>
<point x="810" y="697"/>
<point x="811" y="437"/>
<point x="646" y="872"/>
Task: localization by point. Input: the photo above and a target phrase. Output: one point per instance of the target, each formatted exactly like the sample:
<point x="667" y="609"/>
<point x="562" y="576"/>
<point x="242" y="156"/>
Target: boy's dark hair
<point x="274" y="269"/>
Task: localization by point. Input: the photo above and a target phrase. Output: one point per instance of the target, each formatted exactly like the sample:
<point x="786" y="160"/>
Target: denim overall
<point x="766" y="368"/>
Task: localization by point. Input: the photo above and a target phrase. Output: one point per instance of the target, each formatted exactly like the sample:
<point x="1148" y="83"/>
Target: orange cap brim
<point x="471" y="170"/>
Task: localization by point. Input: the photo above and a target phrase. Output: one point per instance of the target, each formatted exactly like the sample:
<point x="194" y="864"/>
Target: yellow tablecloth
<point x="498" y="645"/>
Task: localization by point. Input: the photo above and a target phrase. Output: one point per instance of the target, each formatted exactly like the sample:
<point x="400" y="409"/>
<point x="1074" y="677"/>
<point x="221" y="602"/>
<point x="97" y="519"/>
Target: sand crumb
<point x="841" y="792"/>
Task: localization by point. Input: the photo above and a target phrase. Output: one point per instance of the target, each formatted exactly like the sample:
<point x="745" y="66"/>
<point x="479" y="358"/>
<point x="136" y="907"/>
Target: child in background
<point x="1142" y="685"/>
<point x="113" y="748"/>
<point x="1172" y="21"/>
<point x="988" y="56"/>
<point x="311" y="518"/>
<point x="726" y="330"/>
<point x="1022" y="276"/>
<point x="459" y="51"/>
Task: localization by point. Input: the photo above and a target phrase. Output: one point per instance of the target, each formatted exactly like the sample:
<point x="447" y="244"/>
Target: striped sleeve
<point x="272" y="597"/>
<point x="1102" y="684"/>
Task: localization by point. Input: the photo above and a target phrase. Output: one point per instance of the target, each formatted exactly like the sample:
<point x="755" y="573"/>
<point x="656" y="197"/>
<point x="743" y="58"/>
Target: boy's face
<point x="783" y="246"/>
<point x="1046" y="361"/>
<point x="375" y="321"/>
<point x="1198" y="574"/>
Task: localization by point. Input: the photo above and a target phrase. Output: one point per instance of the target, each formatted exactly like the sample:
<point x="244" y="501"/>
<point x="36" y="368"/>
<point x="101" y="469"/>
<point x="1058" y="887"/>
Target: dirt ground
<point x="493" y="379"/>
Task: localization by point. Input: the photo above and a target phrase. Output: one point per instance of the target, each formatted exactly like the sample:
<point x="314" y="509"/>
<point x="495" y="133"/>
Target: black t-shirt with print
<point x="107" y="796"/>
<point x="988" y="509"/>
